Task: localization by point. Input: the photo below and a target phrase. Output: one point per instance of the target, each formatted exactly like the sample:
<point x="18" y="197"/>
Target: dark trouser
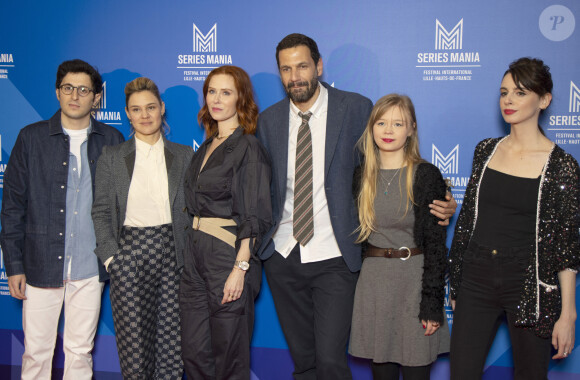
<point x="491" y="286"/>
<point x="215" y="337"/>
<point x="144" y="298"/>
<point x="390" y="371"/>
<point x="314" y="305"/>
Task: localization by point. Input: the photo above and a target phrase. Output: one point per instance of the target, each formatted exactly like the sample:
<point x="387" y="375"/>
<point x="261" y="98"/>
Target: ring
<point x="565" y="354"/>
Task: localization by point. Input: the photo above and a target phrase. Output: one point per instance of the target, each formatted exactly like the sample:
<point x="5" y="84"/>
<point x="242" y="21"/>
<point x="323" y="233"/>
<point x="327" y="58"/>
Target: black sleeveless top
<point x="506" y="210"/>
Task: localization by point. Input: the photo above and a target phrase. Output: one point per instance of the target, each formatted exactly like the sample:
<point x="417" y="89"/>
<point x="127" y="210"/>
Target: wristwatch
<point x="241" y="264"/>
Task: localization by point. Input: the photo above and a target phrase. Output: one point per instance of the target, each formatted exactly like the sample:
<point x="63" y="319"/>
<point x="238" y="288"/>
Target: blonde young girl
<point x="398" y="318"/>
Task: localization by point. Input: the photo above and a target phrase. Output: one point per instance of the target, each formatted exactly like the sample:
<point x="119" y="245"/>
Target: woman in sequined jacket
<point x="533" y="279"/>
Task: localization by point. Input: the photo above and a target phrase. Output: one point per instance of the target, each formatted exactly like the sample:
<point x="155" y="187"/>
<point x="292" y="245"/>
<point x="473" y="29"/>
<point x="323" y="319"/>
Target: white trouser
<point x="40" y="314"/>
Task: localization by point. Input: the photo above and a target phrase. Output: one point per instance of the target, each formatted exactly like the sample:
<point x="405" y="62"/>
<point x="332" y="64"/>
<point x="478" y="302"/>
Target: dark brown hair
<point x="297" y="39"/>
<point x="79" y="66"/>
<point x="531" y="74"/>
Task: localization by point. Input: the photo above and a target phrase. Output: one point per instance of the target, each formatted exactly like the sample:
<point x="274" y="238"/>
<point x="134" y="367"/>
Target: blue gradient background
<point x="370" y="47"/>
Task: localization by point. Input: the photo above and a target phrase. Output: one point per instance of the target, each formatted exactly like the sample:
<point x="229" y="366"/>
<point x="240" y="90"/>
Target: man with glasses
<point x="47" y="232"/>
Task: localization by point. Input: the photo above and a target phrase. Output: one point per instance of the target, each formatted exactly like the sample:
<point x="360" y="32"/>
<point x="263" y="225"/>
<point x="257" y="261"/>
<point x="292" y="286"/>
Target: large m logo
<point x="574" y="98"/>
<point x="445" y="40"/>
<point x="205" y="42"/>
<point x="448" y="164"/>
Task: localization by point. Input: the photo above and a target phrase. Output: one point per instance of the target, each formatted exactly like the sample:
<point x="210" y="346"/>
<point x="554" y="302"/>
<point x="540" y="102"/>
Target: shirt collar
<point x="319" y="106"/>
<point x="88" y="130"/>
<point x="146" y="149"/>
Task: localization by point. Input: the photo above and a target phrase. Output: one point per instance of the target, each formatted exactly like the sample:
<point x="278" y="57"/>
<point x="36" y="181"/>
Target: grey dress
<point x="385" y="325"/>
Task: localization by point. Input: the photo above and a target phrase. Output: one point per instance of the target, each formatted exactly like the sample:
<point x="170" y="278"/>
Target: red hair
<point x="246" y="106"/>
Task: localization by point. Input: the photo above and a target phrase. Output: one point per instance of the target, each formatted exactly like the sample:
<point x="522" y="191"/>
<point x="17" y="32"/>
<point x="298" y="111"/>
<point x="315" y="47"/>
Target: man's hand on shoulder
<point x="17" y="286"/>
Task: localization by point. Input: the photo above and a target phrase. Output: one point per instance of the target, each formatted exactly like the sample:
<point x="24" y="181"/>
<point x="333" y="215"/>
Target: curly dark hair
<point x="79" y="66"/>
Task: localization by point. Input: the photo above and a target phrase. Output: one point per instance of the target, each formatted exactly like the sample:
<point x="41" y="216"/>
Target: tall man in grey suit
<point x="311" y="260"/>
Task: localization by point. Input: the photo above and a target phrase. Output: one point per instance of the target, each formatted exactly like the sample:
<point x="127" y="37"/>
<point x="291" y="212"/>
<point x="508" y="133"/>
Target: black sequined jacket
<point x="429" y="236"/>
<point x="556" y="246"/>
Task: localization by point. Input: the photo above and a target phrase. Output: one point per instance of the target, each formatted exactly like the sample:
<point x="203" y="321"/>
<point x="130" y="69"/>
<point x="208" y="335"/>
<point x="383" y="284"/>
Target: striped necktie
<point x="303" y="215"/>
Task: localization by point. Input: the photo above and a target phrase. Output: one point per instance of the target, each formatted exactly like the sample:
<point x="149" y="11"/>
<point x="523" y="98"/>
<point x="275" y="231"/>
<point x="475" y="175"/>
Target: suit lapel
<point x="173" y="164"/>
<point x="280" y="150"/>
<point x="124" y="171"/>
<point x="334" y="124"/>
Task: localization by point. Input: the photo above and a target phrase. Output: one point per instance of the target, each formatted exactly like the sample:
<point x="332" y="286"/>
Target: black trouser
<point x="215" y="338"/>
<point x="491" y="286"/>
<point x="314" y="305"/>
<point x="390" y="371"/>
<point x="144" y="291"/>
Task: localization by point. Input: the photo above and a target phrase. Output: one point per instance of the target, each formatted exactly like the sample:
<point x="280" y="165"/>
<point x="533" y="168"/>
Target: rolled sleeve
<point x="252" y="208"/>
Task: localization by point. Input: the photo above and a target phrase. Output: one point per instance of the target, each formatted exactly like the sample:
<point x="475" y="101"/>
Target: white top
<point x="148" y="199"/>
<point x="77" y="137"/>
<point x="323" y="245"/>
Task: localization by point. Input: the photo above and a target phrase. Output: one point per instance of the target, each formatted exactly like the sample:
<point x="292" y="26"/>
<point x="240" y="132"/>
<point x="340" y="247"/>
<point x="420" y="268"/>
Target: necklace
<point x="391" y="180"/>
<point x="217" y="136"/>
<point x="223" y="137"/>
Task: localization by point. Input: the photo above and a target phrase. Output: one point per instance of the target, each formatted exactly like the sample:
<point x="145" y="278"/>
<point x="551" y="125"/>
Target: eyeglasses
<point x="68" y="89"/>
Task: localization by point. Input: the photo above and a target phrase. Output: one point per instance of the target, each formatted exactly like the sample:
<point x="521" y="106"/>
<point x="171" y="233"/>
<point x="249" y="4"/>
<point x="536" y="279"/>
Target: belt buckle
<point x="196" y="228"/>
<point x="408" y="255"/>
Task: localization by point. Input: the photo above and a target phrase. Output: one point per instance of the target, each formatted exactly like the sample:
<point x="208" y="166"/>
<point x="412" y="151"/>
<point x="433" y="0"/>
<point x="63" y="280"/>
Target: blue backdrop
<point x="448" y="56"/>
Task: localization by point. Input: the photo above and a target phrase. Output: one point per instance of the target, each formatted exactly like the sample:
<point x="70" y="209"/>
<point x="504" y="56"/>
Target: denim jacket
<point x="34" y="200"/>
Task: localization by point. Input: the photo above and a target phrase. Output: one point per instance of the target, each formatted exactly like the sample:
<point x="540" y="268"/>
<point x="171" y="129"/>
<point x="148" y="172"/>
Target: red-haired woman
<point x="227" y="189"/>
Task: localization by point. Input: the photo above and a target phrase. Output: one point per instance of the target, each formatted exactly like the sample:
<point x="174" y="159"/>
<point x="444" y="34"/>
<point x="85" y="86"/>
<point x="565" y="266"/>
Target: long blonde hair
<point x="371" y="166"/>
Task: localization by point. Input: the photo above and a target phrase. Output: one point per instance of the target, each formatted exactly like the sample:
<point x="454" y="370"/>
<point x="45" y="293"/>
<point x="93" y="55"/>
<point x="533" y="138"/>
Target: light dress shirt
<point x="79" y="259"/>
<point x="148" y="199"/>
<point x="323" y="245"/>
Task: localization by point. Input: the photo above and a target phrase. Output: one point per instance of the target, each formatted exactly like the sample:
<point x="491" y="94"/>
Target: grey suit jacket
<point x="348" y="113"/>
<point x="113" y="178"/>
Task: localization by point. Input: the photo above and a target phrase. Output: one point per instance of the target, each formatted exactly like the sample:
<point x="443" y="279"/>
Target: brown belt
<point x="402" y="253"/>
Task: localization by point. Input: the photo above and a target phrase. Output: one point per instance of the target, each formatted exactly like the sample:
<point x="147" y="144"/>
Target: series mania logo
<point x="2" y="169"/>
<point x="448" y="40"/>
<point x="3" y="276"/>
<point x="569" y="120"/>
<point x="109" y="117"/>
<point x="448" y="165"/>
<point x="203" y="44"/>
<point x="6" y="60"/>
